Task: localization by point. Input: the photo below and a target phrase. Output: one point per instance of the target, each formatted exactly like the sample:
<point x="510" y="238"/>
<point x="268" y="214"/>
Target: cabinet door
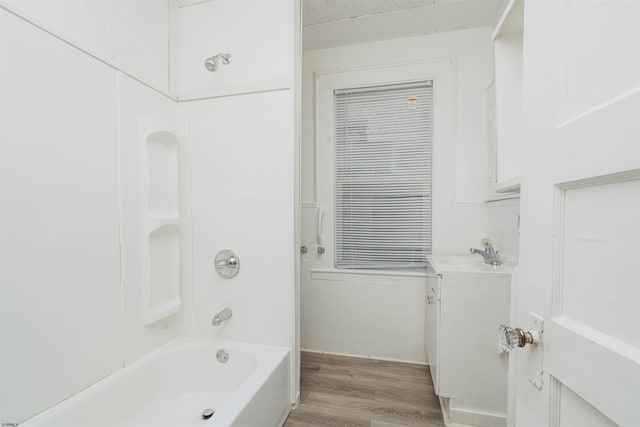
<point x="431" y="341"/>
<point x="471" y="372"/>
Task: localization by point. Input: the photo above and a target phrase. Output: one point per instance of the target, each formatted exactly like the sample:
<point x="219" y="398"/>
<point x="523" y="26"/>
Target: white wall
<point x="70" y="219"/>
<point x="242" y="198"/>
<point x="132" y="36"/>
<point x="508" y="106"/>
<point x="381" y="316"/>
<point x="460" y="218"/>
<point x="257" y="35"/>
<point x="504" y="226"/>
<point x="61" y="323"/>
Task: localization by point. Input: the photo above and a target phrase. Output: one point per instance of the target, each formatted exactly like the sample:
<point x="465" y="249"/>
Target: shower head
<point x="212" y="63"/>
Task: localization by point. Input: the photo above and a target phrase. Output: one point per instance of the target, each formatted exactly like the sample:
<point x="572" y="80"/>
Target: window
<point x="383" y="175"/>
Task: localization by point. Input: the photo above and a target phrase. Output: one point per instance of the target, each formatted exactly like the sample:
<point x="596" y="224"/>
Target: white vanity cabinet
<point x="433" y="314"/>
<point x="466" y="304"/>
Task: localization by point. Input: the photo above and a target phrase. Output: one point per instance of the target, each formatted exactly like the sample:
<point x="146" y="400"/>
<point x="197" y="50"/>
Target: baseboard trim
<point x="467" y="418"/>
<point x="360" y="356"/>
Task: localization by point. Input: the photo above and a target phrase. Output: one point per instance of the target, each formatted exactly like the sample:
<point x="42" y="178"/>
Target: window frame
<point x="442" y="73"/>
<point x="394" y="98"/>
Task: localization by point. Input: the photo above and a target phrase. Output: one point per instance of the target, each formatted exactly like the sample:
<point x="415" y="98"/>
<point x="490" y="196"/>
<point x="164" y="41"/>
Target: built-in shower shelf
<point x="157" y="222"/>
<point x="160" y="223"/>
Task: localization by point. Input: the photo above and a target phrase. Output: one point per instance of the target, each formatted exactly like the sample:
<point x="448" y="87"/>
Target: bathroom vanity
<point x="466" y="303"/>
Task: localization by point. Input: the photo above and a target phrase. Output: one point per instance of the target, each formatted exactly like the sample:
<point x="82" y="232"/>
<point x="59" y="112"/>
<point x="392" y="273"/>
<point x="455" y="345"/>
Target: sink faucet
<point x="489" y="254"/>
<point x="225" y="314"/>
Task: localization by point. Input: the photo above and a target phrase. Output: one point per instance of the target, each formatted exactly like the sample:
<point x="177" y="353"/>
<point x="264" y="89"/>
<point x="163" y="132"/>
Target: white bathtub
<point x="173" y="385"/>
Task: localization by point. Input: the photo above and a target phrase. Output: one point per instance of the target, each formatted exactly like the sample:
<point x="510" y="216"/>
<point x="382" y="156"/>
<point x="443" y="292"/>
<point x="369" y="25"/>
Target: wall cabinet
<point x="464" y="312"/>
<point x="505" y="98"/>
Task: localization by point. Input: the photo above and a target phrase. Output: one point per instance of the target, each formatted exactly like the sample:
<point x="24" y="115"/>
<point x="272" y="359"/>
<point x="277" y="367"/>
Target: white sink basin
<point x="465" y="264"/>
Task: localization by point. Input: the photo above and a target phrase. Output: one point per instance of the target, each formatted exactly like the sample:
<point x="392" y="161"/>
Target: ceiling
<point x="323" y="11"/>
<point x="332" y="23"/>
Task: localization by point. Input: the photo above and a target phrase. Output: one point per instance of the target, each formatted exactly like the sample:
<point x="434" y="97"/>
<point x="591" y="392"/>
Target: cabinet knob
<point x="429" y="299"/>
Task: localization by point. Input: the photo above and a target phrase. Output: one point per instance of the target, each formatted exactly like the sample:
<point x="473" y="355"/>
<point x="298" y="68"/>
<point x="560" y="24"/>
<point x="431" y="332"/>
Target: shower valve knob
<point x="227" y="263"/>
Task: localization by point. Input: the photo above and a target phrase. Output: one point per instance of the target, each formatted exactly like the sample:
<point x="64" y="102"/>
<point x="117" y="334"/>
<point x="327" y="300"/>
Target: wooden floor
<point x="348" y="391"/>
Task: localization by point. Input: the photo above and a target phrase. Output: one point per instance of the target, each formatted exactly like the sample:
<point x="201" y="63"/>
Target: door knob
<point x="509" y="338"/>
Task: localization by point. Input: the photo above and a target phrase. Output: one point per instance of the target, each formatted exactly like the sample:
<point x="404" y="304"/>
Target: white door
<point x="580" y="214"/>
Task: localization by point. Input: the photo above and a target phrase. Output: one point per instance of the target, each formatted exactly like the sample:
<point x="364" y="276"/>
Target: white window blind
<point x="383" y="175"/>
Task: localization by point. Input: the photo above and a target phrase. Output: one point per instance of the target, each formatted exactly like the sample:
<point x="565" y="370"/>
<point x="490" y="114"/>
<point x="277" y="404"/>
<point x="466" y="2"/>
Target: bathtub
<point x="173" y="385"/>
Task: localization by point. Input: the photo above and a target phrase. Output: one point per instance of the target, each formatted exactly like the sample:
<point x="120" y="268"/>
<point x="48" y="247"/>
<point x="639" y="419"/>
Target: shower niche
<point x="160" y="223"/>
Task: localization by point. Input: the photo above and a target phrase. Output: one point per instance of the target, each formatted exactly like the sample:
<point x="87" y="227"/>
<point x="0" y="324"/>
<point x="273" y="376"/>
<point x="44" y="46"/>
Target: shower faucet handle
<point x="227" y="263"/>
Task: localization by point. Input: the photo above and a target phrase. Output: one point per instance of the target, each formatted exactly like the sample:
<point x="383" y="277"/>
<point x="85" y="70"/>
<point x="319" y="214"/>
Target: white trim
<point x="613" y="178"/>
<point x="316" y="144"/>
<point x="601" y="106"/>
<point x="473" y="417"/>
<point x="295" y="82"/>
<point x="174" y="49"/>
<point x="453" y="189"/>
<point x="337" y="274"/>
<point x="323" y="73"/>
<point x="508" y="186"/>
<point x="256" y="86"/>
<point x="555" y="389"/>
<point x="501" y="21"/>
<point x="557" y="253"/>
<point x="187" y="3"/>
<point x="500" y="197"/>
<point x="359" y="356"/>
<point x="468" y="204"/>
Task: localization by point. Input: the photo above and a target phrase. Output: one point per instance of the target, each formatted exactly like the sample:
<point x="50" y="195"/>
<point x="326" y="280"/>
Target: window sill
<point x="339" y="274"/>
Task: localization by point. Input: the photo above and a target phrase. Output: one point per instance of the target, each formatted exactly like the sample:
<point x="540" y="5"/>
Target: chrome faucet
<point x="489" y="254"/>
<point x="225" y="314"/>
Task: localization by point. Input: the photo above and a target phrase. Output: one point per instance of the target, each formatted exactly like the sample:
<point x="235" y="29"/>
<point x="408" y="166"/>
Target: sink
<point x="465" y="264"/>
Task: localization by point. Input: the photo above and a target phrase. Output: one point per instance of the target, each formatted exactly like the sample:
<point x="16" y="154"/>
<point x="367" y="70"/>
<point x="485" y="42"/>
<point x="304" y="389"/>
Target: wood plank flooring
<point x="341" y="391"/>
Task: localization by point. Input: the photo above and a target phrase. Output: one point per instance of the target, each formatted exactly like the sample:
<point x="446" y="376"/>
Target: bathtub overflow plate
<point x="207" y="413"/>
<point x="222" y="355"/>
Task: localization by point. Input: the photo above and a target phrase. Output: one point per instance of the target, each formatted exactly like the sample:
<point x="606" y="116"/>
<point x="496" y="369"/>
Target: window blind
<point x="383" y="176"/>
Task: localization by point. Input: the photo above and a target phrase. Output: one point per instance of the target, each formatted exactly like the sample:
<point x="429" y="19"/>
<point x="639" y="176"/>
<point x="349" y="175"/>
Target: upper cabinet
<point x="505" y="99"/>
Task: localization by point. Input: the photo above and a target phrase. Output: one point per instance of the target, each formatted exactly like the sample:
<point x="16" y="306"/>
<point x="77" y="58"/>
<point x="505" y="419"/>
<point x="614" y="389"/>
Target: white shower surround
<point x="98" y="79"/>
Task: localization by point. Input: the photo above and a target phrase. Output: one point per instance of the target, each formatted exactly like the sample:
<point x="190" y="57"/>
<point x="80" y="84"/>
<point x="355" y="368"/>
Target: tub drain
<point x="222" y="355"/>
<point x="207" y="413"/>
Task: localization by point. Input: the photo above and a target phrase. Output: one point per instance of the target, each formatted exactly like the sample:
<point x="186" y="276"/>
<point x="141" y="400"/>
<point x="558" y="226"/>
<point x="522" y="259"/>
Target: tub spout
<point x="224" y="314"/>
